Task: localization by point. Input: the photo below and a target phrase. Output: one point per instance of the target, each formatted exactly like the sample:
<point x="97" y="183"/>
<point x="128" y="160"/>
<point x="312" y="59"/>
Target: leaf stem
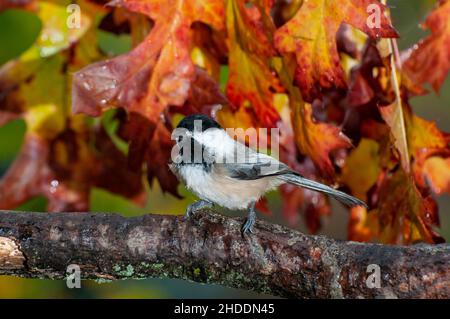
<point x="396" y="65"/>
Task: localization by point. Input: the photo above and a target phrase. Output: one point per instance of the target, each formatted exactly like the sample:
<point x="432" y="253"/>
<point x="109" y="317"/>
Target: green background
<point x="18" y="30"/>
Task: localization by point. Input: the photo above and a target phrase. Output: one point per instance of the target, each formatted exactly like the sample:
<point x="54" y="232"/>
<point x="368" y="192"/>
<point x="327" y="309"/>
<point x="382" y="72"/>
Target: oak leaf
<point x="251" y="81"/>
<point x="315" y="139"/>
<point x="154" y="75"/>
<point x="430" y="60"/>
<point x="311" y="36"/>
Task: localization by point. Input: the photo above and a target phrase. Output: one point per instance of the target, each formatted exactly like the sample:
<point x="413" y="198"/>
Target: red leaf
<point x="311" y="36"/>
<point x="430" y="61"/>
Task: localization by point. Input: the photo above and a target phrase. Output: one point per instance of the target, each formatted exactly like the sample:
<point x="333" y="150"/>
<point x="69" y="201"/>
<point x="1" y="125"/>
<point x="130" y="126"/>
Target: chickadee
<point x="222" y="171"/>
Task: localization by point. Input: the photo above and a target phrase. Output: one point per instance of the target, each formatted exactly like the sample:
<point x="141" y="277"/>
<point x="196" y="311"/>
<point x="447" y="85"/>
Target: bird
<point x="222" y="171"/>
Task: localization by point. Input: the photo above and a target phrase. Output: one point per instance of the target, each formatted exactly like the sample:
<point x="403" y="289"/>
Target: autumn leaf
<point x="311" y="36"/>
<point x="315" y="139"/>
<point x="437" y="172"/>
<point x="64" y="170"/>
<point x="32" y="175"/>
<point x="359" y="225"/>
<point x="364" y="87"/>
<point x="157" y="73"/>
<point x="23" y="4"/>
<point x="430" y="60"/>
<point x="251" y="84"/>
<point x="59" y="159"/>
<point x="393" y="116"/>
<point x="204" y="96"/>
<point x="424" y="141"/>
<point x="404" y="214"/>
<point x="124" y="181"/>
<point x="208" y="11"/>
<point x="151" y="144"/>
<point x="208" y="49"/>
<point x="362" y="168"/>
<point x="422" y="134"/>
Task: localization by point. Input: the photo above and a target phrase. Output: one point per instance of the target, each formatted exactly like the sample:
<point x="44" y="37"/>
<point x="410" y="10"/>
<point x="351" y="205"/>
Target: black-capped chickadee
<point x="222" y="171"/>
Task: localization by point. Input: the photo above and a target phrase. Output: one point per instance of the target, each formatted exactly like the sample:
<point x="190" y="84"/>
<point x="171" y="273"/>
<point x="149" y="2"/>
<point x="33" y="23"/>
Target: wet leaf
<point x="157" y="73"/>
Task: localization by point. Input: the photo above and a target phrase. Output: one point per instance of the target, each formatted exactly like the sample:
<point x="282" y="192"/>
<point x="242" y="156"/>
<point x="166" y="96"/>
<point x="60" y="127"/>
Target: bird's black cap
<point x="204" y="122"/>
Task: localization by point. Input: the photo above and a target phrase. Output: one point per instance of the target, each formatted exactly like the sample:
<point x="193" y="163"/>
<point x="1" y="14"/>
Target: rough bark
<point x="209" y="248"/>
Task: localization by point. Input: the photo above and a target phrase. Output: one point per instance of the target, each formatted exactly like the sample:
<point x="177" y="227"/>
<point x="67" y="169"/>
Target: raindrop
<point x="56" y="37"/>
<point x="112" y="85"/>
<point x="54" y="186"/>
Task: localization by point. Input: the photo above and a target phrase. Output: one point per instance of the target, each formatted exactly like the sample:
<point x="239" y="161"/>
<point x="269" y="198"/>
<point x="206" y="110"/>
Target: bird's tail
<point x="307" y="183"/>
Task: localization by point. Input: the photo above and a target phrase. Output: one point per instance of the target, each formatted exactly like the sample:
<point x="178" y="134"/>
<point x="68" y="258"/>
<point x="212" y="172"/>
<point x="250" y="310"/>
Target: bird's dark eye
<point x="179" y="138"/>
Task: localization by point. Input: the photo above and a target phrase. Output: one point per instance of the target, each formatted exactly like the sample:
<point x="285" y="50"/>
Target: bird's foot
<point x="194" y="207"/>
<point x="249" y="222"/>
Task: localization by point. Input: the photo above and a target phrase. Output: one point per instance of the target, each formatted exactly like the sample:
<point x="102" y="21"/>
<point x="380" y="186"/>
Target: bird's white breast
<point x="227" y="192"/>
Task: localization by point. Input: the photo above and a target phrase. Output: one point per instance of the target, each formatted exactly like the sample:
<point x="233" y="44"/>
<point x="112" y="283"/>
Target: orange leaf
<point x="358" y="229"/>
<point x="311" y="36"/>
<point x="422" y="135"/>
<point x="157" y="73"/>
<point x="424" y="140"/>
<point x="362" y="168"/>
<point x="437" y="172"/>
<point x="208" y="11"/>
<point x="430" y="61"/>
<point x="251" y="80"/>
<point x="315" y="139"/>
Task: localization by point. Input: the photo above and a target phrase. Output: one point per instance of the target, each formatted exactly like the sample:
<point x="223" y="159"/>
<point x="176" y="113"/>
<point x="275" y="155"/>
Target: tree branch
<point x="209" y="248"/>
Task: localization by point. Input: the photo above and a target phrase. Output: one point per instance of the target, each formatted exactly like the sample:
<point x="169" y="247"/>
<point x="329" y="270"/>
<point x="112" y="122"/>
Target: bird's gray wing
<point x="258" y="166"/>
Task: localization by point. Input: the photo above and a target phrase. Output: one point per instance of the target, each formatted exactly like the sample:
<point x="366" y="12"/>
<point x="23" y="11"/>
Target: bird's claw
<point x="247" y="227"/>
<point x="194" y="207"/>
